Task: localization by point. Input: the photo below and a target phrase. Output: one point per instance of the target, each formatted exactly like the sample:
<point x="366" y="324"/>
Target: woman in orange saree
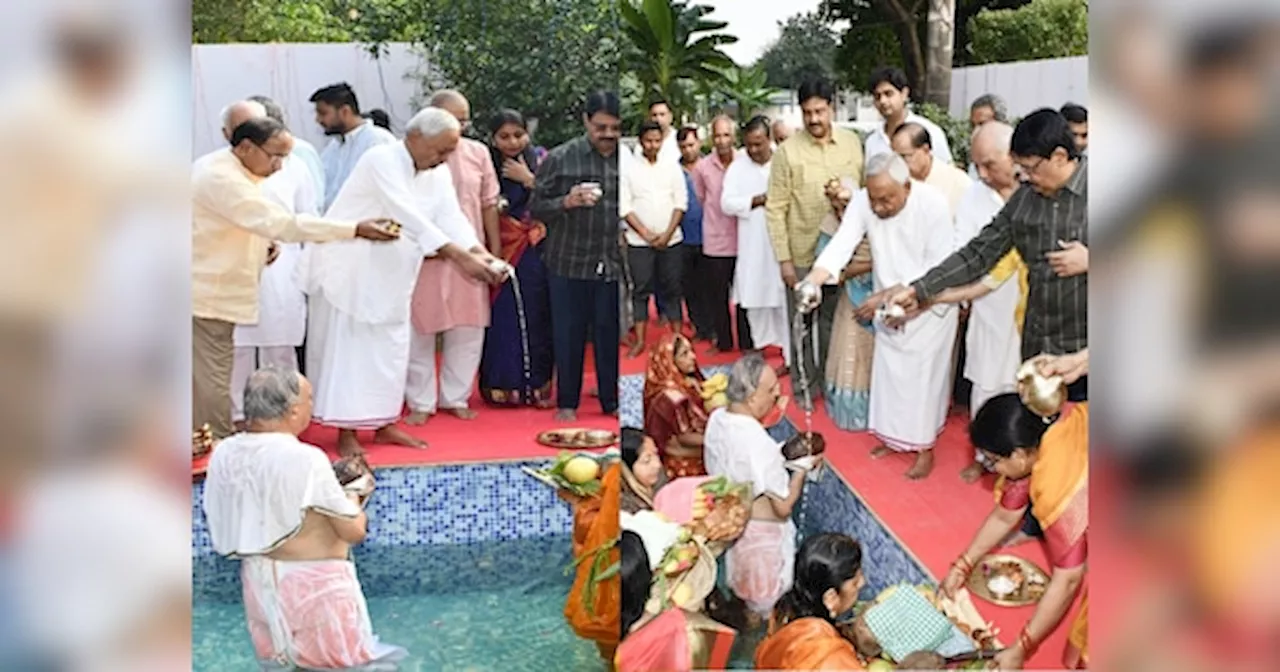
<point x="594" y="601"/>
<point x="802" y="632"/>
<point x="1042" y="463"/>
<point x="674" y="414"/>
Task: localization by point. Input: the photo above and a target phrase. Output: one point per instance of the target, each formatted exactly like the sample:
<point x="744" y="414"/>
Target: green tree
<point x="1041" y="29"/>
<point x="672" y="46"/>
<point x="895" y="33"/>
<point x="228" y="21"/>
<point x="806" y="47"/>
<point x="743" y="92"/>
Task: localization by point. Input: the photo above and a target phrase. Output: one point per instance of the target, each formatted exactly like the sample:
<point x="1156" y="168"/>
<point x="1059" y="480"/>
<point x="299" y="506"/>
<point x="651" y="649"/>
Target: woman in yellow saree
<point x="1042" y="463"/>
<point x="802" y="632"/>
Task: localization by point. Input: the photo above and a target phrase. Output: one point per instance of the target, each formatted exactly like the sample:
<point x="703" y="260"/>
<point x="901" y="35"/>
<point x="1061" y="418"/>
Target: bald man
<point x="994" y="335"/>
<point x="448" y="304"/>
<point x="781" y="131"/>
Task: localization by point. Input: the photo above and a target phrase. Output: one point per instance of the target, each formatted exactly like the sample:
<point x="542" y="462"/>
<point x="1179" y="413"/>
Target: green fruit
<point x="880" y="665"/>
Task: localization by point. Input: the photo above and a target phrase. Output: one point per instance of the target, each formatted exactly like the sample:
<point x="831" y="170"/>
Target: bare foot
<point x="971" y="473"/>
<point x="417" y="418"/>
<point x="566" y="415"/>
<point x="462" y="413"/>
<point x="635" y="350"/>
<point x="880" y="451"/>
<point x="923" y="466"/>
<point x="1017" y="539"/>
<point x="783" y="371"/>
<point x="594" y="392"/>
<point x="348" y="444"/>
<point x="398" y="437"/>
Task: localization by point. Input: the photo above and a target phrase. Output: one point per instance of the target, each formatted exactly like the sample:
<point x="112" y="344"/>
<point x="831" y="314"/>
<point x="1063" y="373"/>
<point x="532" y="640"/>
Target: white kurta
<point x="282" y="307"/>
<point x="359" y="329"/>
<point x="911" y="368"/>
<point x="757" y="280"/>
<point x="993" y="344"/>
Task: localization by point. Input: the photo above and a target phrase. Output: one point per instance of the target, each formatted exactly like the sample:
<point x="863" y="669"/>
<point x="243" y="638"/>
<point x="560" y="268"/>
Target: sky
<point x="755" y="23"/>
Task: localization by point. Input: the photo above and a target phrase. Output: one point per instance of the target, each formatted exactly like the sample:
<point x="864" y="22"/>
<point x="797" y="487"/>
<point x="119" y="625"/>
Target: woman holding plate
<point x="1043" y="463"/>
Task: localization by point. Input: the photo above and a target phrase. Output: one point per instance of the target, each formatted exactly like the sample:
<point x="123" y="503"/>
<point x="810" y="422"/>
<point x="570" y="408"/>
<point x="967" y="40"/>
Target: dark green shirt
<point x="582" y="243"/>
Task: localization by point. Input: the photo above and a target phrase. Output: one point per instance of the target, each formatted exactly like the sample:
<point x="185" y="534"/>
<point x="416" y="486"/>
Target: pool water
<point x="492" y="606"/>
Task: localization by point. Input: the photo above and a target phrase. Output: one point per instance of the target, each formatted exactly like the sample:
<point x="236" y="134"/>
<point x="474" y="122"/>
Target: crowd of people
<point x="907" y="272"/>
<point x="503" y="256"/>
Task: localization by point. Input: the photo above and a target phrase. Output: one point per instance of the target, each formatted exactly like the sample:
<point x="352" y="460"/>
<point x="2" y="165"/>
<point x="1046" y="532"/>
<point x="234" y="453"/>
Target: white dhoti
<point x="910" y="376"/>
<point x="760" y="565"/>
<point x="757" y="280"/>
<point x="357" y="369"/>
<point x="459" y="363"/>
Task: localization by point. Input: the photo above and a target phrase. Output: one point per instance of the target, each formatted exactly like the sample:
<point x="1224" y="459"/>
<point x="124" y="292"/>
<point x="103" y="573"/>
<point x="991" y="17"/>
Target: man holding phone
<point x="576" y="196"/>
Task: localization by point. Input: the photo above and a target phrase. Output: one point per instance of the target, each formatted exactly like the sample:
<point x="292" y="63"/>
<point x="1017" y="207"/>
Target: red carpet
<point x="935" y="518"/>
<point x="496" y="434"/>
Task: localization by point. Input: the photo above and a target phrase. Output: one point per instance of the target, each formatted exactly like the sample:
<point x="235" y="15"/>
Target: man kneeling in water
<point x="275" y="503"/>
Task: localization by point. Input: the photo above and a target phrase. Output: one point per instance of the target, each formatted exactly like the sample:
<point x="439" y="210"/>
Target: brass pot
<point x="1043" y="395"/>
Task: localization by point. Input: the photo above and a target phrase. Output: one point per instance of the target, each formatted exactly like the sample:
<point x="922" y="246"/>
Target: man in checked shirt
<point x="1047" y="221"/>
<point x="576" y="196"/>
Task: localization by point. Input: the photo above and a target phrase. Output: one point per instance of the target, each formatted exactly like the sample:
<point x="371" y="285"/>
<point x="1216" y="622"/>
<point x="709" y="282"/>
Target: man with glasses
<point x="576" y="196"/>
<point x="233" y="226"/>
<point x="1041" y="220"/>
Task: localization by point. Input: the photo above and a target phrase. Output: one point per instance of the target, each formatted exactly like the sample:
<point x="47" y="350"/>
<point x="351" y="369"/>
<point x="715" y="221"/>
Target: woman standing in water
<point x="504" y="380"/>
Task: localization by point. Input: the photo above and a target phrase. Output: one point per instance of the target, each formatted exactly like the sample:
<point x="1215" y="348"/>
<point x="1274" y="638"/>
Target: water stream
<point x="524" y="335"/>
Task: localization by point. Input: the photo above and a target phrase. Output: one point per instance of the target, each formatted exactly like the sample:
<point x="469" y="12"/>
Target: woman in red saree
<point x="674" y="414"/>
<point x="802" y="632"/>
<point x="1043" y="464"/>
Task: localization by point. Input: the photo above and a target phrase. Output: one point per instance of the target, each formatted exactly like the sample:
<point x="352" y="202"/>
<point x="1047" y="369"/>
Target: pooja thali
<point x="1008" y="581"/>
<point x="578" y="438"/>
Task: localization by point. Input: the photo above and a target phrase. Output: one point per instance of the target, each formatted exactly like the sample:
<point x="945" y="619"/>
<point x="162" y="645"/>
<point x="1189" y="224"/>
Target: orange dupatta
<point x="807" y="644"/>
<point x="594" y="606"/>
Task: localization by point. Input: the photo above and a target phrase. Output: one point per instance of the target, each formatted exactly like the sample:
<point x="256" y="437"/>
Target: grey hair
<point x="272" y="107"/>
<point x="445" y="96"/>
<point x="892" y="165"/>
<point x="431" y="122"/>
<point x="997" y="132"/>
<point x="270" y="393"/>
<point x="744" y="377"/>
<point x="998" y="107"/>
<point x="260" y="111"/>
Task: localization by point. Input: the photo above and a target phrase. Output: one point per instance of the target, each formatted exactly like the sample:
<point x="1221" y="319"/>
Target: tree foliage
<point x="226" y="21"/>
<point x="1040" y="29"/>
<point x="670" y="49"/>
<point x="806" y="47"/>
<point x="742" y="92"/>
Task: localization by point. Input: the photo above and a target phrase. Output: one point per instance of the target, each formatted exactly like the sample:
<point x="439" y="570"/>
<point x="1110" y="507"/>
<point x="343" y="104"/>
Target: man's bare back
<point x="322" y="538"/>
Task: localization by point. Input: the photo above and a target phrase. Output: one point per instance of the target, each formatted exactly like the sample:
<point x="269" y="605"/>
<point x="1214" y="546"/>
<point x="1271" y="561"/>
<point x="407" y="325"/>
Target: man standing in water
<point x="275" y="504"/>
<point x="576" y="195"/>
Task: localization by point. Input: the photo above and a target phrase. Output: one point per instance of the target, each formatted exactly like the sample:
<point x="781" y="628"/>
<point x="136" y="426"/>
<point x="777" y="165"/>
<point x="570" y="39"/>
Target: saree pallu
<point x="676" y="641"/>
<point x="594" y="606"/>
<point x="502" y="366"/>
<point x="806" y="644"/>
<point x="847" y="379"/>
<point x="667" y="416"/>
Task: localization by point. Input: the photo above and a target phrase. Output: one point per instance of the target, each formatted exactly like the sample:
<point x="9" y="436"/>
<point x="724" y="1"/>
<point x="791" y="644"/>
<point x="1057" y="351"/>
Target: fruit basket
<point x="713" y="392"/>
<point x="721" y="509"/>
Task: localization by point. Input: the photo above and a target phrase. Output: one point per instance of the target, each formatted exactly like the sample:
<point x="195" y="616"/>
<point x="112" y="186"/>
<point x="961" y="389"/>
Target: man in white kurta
<point x="993" y="340"/>
<point x="359" y="329"/>
<point x="282" y="307"/>
<point x="757" y="279"/>
<point x="909" y="228"/>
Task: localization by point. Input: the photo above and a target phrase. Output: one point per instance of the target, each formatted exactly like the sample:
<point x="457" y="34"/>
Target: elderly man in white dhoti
<point x="993" y="340"/>
<point x="359" y="324"/>
<point x="760" y="563"/>
<point x="275" y="504"/>
<point x="909" y="227"/>
<point x="757" y="280"/>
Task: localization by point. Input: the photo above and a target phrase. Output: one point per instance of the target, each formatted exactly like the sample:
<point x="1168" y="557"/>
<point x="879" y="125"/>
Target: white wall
<point x="289" y="74"/>
<point x="1025" y="86"/>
